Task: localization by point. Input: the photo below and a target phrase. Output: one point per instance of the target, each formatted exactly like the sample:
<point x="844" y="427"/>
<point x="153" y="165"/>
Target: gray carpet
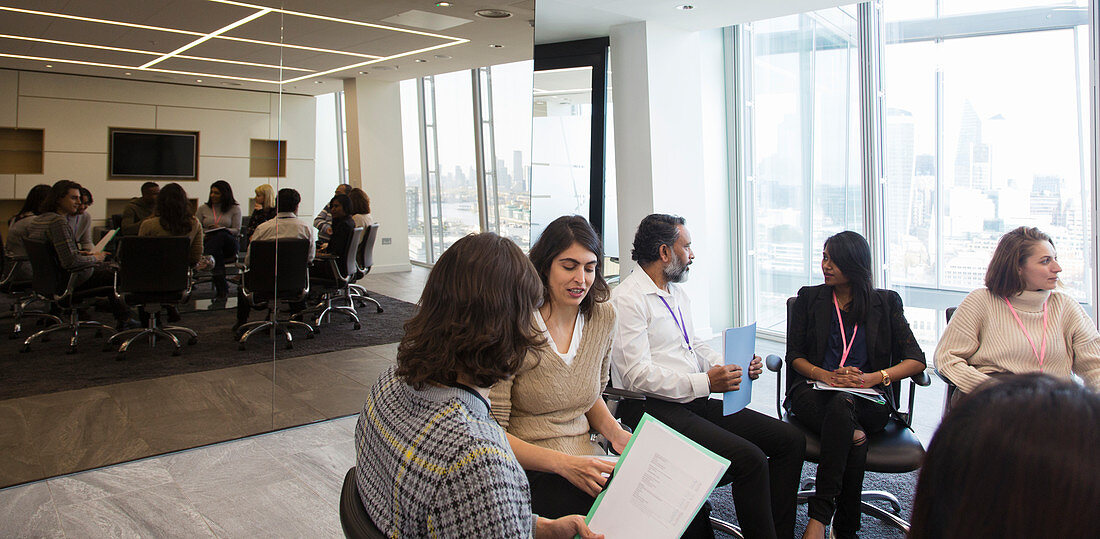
<point x="47" y="368"/>
<point x="903" y="486"/>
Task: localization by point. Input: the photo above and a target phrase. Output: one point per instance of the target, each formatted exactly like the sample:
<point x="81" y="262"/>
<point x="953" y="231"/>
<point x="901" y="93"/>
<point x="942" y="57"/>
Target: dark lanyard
<point x="471" y="391"/>
<point x="680" y="323"/>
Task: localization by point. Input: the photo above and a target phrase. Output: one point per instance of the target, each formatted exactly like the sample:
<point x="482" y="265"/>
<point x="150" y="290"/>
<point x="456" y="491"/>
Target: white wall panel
<point x="9" y="91"/>
<point x="295" y="121"/>
<point x="222" y="133"/>
<point x="81" y="126"/>
<point x="149" y="93"/>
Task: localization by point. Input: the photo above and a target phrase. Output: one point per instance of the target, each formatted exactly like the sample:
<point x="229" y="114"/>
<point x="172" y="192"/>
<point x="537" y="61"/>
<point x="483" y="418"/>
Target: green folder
<point x="648" y="422"/>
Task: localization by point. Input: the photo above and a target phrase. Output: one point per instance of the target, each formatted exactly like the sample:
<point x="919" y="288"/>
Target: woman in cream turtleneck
<point x="1019" y="323"/>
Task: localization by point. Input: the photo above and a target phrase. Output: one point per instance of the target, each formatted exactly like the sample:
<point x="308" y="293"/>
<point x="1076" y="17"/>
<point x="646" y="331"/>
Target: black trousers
<point x="765" y="457"/>
<point x="553" y="496"/>
<point x="835" y="416"/>
<point x="244" y="308"/>
<point x="222" y="246"/>
<point x="103" y="276"/>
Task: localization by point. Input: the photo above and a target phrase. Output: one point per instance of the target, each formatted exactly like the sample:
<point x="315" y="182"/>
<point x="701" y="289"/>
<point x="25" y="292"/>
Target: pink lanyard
<point x="1040" y="353"/>
<point x="217" y="218"/>
<point x="843" y="336"/>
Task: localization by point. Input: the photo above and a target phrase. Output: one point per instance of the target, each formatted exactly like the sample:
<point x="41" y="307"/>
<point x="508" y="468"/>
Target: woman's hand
<point x="846" y="377"/>
<point x="586" y="473"/>
<point x="620" y="440"/>
<point x="257" y="207"/>
<point x="565" y="527"/>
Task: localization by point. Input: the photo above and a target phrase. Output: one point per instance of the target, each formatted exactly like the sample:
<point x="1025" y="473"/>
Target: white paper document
<point x="659" y="483"/>
<point x="110" y="235"/>
<point x="865" y="392"/>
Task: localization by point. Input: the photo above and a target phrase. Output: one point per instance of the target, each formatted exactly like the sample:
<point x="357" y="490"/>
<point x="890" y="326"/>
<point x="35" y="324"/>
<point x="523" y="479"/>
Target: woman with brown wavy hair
<point x="430" y="459"/>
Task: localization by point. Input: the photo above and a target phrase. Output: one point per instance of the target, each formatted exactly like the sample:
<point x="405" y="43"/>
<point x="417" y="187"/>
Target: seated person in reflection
<point x="430" y="459"/>
<point x="360" y="204"/>
<point x="285" y="225"/>
<point x="845" y="333"/>
<point x="51" y="227"/>
<point x="139" y="209"/>
<point x="548" y="427"/>
<point x="81" y="221"/>
<point x="656" y="352"/>
<point x="337" y="246"/>
<point x="173" y="218"/>
<point x="1019" y="323"/>
<point x="1015" y="459"/>
<point x="323" y="221"/>
<point x="263" y="208"/>
<point x="18" y="226"/>
<point x="221" y="222"/>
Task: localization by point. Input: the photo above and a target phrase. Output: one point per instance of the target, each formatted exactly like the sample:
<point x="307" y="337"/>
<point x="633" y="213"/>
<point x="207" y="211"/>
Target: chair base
<point x="720" y="525"/>
<point x="72" y="326"/>
<point x="891" y="517"/>
<point x="252" y="328"/>
<point x="325" y="309"/>
<point x="358" y="293"/>
<point x="132" y="335"/>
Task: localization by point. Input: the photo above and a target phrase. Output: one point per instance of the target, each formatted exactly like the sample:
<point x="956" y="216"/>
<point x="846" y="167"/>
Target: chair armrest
<point x="774" y="362"/>
<point x="622" y="394"/>
<point x="921" y="379"/>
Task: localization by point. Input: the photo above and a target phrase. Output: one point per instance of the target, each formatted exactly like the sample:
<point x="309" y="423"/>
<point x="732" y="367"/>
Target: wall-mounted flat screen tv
<point x="136" y="153"/>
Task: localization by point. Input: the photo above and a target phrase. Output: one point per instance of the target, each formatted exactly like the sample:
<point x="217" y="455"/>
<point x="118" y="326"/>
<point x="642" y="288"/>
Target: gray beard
<point x="676" y="271"/>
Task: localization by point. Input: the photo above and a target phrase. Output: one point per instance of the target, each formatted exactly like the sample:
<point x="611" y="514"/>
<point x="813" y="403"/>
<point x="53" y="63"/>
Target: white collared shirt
<point x="285" y="225"/>
<point x="649" y="353"/>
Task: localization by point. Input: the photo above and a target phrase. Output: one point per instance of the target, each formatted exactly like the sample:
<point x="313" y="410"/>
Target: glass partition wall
<point x="250" y="91"/>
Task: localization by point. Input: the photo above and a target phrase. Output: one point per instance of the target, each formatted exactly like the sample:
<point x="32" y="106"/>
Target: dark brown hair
<point x="1003" y="277"/>
<point x="1016" y="458"/>
<point x="475" y="315"/>
<point x="58" y="191"/>
<point x="560" y="235"/>
<point x="174" y="210"/>
<point x="360" y="202"/>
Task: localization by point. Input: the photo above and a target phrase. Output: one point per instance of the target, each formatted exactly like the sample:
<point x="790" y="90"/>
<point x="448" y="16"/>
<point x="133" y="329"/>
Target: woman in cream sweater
<point x="553" y="401"/>
<point x="1019" y="323"/>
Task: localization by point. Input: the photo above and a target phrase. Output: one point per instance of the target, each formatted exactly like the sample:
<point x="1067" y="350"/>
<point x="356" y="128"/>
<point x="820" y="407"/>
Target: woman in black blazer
<point x="872" y="347"/>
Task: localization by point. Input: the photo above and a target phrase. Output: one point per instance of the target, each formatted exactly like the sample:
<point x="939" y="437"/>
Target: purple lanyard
<point x="681" y="325"/>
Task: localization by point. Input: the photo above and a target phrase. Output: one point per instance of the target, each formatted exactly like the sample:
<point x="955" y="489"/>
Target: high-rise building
<point x="899" y="172"/>
<point x="519" y="179"/>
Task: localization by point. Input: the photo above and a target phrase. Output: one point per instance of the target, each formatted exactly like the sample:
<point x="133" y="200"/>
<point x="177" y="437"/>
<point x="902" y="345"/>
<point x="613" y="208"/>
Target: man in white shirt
<point x="285" y="224"/>
<point x="655" y="352"/>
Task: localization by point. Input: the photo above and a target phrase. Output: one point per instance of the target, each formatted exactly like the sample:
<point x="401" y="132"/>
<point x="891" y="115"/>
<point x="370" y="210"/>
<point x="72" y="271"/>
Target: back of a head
<point x="148" y="187"/>
<point x="475" y="316"/>
<point x="360" y="202"/>
<point x="35" y="196"/>
<point x="174" y="210"/>
<point x="288" y="200"/>
<point x="1003" y="277"/>
<point x="654" y="231"/>
<point x="1014" y="459"/>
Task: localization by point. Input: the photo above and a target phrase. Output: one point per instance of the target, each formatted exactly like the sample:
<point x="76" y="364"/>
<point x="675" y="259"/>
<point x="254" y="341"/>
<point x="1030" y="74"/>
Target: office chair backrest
<point x="153" y="264"/>
<point x="350" y="263"/>
<point x="950" y="313"/>
<point x="286" y="277"/>
<point x="366" y="249"/>
<point x="48" y="277"/>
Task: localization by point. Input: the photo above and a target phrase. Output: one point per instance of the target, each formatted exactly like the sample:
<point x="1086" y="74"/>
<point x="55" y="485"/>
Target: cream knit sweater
<point x="983" y="337"/>
<point x="545" y="402"/>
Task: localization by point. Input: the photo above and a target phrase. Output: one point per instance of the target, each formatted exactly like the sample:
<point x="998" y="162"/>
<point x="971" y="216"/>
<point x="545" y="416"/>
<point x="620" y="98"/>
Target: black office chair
<point x="336" y="284"/>
<point x="895" y="449"/>
<point x="20" y="292"/>
<point x="354" y="519"/>
<point x="948" y="395"/>
<point x="53" y="284"/>
<point x="270" y="278"/>
<point x="153" y="272"/>
<point x="364" y="259"/>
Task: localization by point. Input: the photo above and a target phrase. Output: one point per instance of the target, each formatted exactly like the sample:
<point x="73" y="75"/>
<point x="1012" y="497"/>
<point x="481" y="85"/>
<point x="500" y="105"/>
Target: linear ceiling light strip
<point x="102" y="21"/>
<point x="207" y="37"/>
<point x="150" y="53"/>
<point x="335" y="19"/>
<point x="418" y="51"/>
<point x="128" y="68"/>
<point x="299" y="47"/>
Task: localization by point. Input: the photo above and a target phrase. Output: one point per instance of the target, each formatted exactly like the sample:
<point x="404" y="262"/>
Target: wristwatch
<point x="885" y="378"/>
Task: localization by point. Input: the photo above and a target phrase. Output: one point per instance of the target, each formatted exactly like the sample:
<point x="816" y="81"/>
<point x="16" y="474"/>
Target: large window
<point x="982" y="107"/>
<point x="467" y="156"/>
<point x="802" y="153"/>
<point x="986" y="115"/>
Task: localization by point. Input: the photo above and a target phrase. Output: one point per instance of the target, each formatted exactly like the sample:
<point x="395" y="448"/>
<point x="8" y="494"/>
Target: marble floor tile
<point x="159" y="511"/>
<point x="29" y="511"/>
<point x="347" y="423"/>
<point x="322" y="469"/>
<point x="19" y="464"/>
<point x="283" y="509"/>
<point x="296" y="440"/>
<point x="336" y="400"/>
<point x="110" y="481"/>
<point x="364" y="367"/>
<point x="193" y="429"/>
<point x="214" y="473"/>
<point x="146" y="400"/>
<point x="302" y="374"/>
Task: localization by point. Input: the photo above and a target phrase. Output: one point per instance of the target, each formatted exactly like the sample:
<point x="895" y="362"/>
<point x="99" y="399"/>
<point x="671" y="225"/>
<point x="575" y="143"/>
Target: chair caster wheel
<point x="26" y="348"/>
<point x="309" y="335"/>
<point x="241" y="347"/>
<point x="379" y="309"/>
<point x="71" y="350"/>
<point x="176" y="352"/>
<point x="358" y="325"/>
<point x="192" y="341"/>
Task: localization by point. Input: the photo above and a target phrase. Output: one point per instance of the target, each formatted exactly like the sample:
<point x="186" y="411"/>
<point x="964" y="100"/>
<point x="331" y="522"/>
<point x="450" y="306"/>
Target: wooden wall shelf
<point x="267" y="159"/>
<point x="21" y="150"/>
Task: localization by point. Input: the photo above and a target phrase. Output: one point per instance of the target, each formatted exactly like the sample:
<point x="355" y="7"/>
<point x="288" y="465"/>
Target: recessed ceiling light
<point x="128" y="73"/>
<point x="685" y="7"/>
<point x="492" y="13"/>
<point x="443" y="57"/>
<point x="49" y="65"/>
<point x="198" y="80"/>
<point x="443" y="4"/>
<point x="318" y="82"/>
<point x="363" y="72"/>
<point x="421" y="61"/>
<point x="496" y="46"/>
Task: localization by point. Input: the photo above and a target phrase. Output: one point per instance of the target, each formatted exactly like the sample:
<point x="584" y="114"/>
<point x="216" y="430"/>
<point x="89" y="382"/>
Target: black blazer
<point x="342" y="230"/>
<point x="889" y="338"/>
